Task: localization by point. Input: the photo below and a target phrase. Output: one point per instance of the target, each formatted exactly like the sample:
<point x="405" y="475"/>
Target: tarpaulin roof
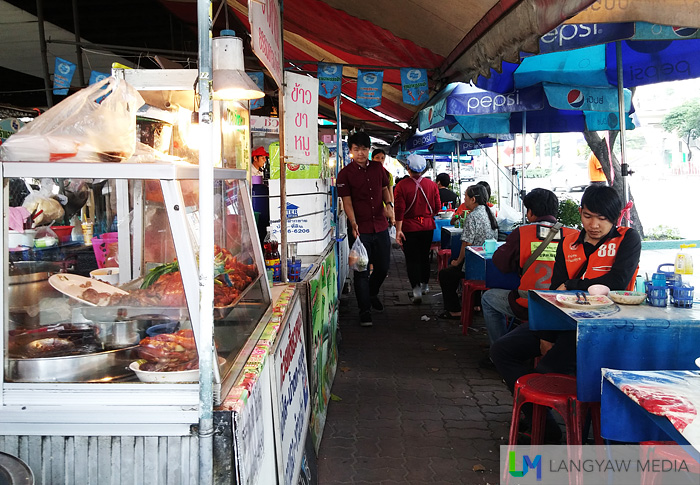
<point x="452" y="39"/>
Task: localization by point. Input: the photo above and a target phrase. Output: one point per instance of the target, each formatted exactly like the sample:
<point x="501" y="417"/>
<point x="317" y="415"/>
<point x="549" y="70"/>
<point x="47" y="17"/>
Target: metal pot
<point x="120" y="333"/>
<point x="28" y="285"/>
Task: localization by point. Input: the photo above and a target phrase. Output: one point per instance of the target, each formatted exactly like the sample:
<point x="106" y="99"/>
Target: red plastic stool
<point x="469" y="289"/>
<point x="662" y="453"/>
<point x="443" y="259"/>
<point x="556" y="391"/>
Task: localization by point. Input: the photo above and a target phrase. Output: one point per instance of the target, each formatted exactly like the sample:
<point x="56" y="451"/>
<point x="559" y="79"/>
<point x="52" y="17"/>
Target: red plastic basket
<point x="101" y="245"/>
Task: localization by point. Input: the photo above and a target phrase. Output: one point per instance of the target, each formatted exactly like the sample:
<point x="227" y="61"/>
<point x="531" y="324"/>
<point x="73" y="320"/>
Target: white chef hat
<point x="416" y="162"/>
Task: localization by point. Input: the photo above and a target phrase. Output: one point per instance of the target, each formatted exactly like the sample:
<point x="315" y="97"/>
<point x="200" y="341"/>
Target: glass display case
<point x="131" y="326"/>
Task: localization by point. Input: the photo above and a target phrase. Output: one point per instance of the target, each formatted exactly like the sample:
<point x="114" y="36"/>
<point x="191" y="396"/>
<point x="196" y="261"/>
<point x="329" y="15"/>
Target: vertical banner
<point x="265" y="24"/>
<point x="259" y="80"/>
<point x="301" y="119"/>
<point x="329" y="78"/>
<point x="291" y="396"/>
<point x="62" y="76"/>
<point x="414" y="84"/>
<point x="96" y="77"/>
<point x="369" y="88"/>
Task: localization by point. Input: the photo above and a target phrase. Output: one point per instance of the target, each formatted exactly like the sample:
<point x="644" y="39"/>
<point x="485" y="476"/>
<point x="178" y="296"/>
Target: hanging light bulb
<point x="229" y="78"/>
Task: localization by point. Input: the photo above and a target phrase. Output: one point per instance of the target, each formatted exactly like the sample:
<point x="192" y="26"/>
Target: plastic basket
<point x="294" y="270"/>
<point x="672" y="278"/>
<point x="682" y="296"/>
<point x="656" y="295"/>
<point x="100" y="246"/>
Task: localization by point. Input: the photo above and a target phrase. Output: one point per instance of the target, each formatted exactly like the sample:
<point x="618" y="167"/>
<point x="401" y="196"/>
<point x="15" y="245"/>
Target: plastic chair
<point x="653" y="453"/>
<point x="469" y="289"/>
<point x="443" y="259"/>
<point x="556" y="391"/>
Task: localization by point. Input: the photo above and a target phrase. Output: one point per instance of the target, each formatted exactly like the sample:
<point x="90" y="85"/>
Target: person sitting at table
<point x="542" y="206"/>
<point x="479" y="225"/>
<point x="447" y="197"/>
<point x="463" y="208"/>
<point x="417" y="203"/>
<point x="601" y="253"/>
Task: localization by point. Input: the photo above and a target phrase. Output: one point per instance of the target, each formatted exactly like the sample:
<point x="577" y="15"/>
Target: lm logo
<point x="527" y="466"/>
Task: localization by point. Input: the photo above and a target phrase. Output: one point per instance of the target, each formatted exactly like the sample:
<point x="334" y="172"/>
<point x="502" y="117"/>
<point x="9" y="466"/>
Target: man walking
<point x="363" y="187"/>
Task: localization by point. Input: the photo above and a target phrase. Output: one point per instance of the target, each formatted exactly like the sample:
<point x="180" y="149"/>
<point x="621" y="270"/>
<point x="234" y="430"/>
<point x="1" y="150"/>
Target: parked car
<point x="467" y="172"/>
<point x="570" y="177"/>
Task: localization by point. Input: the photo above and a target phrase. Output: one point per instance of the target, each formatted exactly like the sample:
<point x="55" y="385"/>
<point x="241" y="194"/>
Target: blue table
<point x="451" y="239"/>
<point x="479" y="266"/>
<point x="629" y="337"/>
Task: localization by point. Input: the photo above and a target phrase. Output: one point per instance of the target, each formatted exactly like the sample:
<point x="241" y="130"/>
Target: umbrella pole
<point x="623" y="128"/>
<point x="459" y="183"/>
<point x="522" y="172"/>
<point x="498" y="173"/>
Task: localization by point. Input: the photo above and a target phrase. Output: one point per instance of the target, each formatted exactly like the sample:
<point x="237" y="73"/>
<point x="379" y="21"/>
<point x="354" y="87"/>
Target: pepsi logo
<point x="330" y="69"/>
<point x="414" y="75"/>
<point x="370" y="78"/>
<point x="684" y="31"/>
<point x="575" y="98"/>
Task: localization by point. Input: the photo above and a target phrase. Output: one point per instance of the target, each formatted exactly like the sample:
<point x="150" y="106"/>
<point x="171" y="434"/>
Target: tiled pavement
<point x="415" y="407"/>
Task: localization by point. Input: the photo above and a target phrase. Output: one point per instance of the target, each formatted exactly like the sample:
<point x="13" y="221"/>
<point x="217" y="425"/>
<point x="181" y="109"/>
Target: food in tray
<point x="51" y="341"/>
<point x="627" y="297"/>
<point x="163" y="285"/>
<point x="590" y="301"/>
<point x="90" y="291"/>
<point x="169" y="352"/>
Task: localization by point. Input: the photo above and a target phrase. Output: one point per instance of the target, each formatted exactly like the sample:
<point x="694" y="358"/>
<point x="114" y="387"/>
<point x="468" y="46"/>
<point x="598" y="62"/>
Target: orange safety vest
<point x="539" y="275"/>
<point x="599" y="263"/>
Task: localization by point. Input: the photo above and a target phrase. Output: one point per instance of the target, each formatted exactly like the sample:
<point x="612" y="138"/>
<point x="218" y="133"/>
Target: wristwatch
<point x="390" y="203"/>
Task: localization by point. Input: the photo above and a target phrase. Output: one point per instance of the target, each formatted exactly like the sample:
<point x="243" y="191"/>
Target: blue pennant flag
<point x="414" y="84"/>
<point x="96" y="77"/>
<point x="259" y="80"/>
<point x="369" y="88"/>
<point x="62" y="76"/>
<point x="329" y="79"/>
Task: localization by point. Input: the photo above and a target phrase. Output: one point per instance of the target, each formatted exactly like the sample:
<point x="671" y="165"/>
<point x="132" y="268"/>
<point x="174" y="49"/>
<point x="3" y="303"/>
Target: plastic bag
<point x="507" y="217"/>
<point x="42" y="205"/>
<point x="96" y="124"/>
<point x="392" y="233"/>
<point x="358" y="258"/>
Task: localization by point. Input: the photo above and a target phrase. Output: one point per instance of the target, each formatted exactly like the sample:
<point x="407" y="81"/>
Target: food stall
<point x="90" y="390"/>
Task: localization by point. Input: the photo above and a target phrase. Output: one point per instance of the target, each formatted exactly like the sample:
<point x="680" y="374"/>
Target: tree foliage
<point x="684" y="121"/>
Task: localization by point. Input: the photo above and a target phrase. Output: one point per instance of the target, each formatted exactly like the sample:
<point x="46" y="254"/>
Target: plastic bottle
<point x="272" y="254"/>
<point x="684" y="261"/>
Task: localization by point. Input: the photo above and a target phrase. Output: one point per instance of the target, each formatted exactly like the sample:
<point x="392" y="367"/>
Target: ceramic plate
<point x="595" y="301"/>
<point x="74" y="285"/>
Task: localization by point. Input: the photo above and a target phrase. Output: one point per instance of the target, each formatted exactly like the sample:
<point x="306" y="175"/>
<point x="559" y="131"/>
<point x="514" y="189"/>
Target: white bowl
<point x="178" y="376"/>
<point x="108" y="275"/>
<point x="446" y="215"/>
<point x="16" y="239"/>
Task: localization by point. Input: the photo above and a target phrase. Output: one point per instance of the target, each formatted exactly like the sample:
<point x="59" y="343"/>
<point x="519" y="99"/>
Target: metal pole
<point x="623" y="130"/>
<point x="78" y="49"/>
<point x="522" y="172"/>
<point x="458" y="171"/>
<point x="498" y="172"/>
<point x="42" y="45"/>
<point x="206" y="247"/>
<point x="283" y="165"/>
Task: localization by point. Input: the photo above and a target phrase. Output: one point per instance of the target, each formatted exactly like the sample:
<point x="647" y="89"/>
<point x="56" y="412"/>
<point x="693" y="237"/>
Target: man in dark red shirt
<point x="363" y="186"/>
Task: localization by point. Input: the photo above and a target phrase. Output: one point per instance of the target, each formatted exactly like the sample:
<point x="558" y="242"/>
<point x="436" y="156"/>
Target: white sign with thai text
<point x="301" y="119"/>
<point x="264" y="124"/>
<point x="291" y="396"/>
<point x="265" y="24"/>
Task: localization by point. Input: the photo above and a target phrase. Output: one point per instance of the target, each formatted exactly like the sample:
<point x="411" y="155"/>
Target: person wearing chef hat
<point x="259" y="159"/>
<point x="417" y="203"/>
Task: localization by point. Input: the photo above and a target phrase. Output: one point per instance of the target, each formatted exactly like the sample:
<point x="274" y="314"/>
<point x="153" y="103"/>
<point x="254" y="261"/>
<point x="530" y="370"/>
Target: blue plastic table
<point x="628" y="337"/>
<point x="439" y="224"/>
<point x="451" y="239"/>
<point x="479" y="266"/>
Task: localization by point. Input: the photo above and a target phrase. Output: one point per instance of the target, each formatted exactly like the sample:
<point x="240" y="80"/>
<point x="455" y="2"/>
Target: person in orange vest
<point x="542" y="206"/>
<point x="601" y="253"/>
<point x="595" y="171"/>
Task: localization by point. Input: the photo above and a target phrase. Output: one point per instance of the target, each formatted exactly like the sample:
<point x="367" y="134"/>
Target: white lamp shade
<point x="229" y="78"/>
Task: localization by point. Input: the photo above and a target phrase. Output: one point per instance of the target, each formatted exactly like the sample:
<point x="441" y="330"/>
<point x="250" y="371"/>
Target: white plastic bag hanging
<point x="96" y="124"/>
<point x="358" y="258"/>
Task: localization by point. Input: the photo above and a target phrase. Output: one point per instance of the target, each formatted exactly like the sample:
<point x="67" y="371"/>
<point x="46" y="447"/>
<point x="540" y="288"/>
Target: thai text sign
<point x="329" y="79"/>
<point x="265" y="24"/>
<point x="62" y="76"/>
<point x="292" y="400"/>
<point x="301" y="119"/>
<point x="414" y="84"/>
<point x="369" y="88"/>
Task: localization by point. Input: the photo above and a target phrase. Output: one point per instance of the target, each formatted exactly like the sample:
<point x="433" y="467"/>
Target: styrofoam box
<point x="308" y="214"/>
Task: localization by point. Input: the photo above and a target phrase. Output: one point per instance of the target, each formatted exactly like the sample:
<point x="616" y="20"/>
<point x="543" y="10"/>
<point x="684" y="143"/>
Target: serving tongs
<point x="581" y="298"/>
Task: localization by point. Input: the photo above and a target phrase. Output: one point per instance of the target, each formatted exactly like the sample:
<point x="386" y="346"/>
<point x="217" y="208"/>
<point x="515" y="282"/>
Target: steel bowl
<point x="99" y="366"/>
<point x="120" y="333"/>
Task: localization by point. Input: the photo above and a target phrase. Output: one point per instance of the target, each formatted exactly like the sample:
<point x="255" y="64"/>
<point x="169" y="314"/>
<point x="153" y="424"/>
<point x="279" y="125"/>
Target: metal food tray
<point x="100" y="366"/>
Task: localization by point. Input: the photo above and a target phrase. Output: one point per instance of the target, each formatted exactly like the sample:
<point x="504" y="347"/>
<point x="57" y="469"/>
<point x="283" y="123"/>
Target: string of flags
<point x="414" y="84"/>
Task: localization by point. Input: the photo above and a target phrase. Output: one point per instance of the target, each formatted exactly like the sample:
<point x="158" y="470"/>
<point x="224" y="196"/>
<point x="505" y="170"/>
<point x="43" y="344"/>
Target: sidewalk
<point x="415" y="407"/>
